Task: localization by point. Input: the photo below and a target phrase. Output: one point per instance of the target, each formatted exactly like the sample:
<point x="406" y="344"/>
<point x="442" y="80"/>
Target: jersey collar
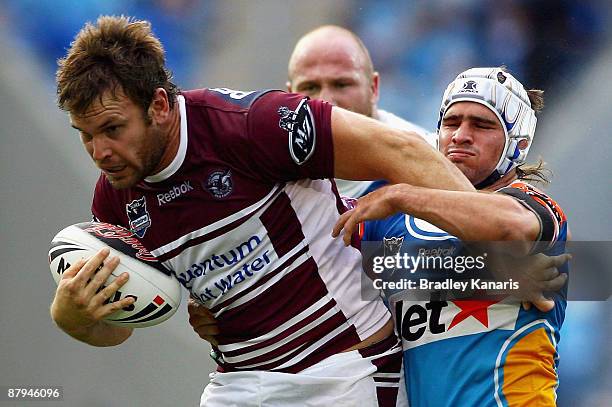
<point x="182" y="150"/>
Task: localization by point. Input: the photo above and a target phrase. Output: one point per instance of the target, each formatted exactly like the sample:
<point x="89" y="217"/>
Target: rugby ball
<point x="156" y="292"/>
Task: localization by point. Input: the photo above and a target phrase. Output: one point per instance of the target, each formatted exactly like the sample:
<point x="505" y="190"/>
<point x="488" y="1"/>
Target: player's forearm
<point x="471" y="216"/>
<point x="103" y="335"/>
<point x="415" y="162"/>
<point x="99" y="334"/>
<point x="365" y="149"/>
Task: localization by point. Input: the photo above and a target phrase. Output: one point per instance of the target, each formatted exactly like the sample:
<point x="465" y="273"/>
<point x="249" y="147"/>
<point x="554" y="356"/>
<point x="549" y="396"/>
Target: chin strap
<point x="490" y="180"/>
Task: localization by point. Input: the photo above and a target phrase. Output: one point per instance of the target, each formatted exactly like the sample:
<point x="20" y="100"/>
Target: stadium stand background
<point x="564" y="47"/>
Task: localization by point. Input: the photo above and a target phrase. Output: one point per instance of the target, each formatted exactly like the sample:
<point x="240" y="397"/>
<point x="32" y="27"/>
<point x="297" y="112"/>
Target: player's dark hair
<point x="535" y="172"/>
<point x="117" y="52"/>
<point x="536" y="98"/>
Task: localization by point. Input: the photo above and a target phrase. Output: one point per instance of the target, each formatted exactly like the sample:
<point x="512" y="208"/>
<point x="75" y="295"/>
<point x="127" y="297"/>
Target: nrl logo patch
<point x="139" y="216"/>
<point x="392" y="245"/>
<point x="219" y="183"/>
<point x="391" y="248"/>
<point x="300" y="126"/>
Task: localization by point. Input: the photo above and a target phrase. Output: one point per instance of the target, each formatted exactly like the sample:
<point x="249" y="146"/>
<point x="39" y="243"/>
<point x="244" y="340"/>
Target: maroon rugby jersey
<point x="243" y="217"/>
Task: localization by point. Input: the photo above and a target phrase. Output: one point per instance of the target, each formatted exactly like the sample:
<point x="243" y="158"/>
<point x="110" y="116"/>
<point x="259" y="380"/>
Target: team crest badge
<point x="391" y="248"/>
<point x="302" y="134"/>
<point x="470" y="87"/>
<point x="139" y="217"/>
<point x="220" y="184"/>
<point x="392" y="245"/>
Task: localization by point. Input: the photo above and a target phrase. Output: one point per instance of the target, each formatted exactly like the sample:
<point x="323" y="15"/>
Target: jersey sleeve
<point x="550" y="215"/>
<point x="290" y="138"/>
<point x="101" y="207"/>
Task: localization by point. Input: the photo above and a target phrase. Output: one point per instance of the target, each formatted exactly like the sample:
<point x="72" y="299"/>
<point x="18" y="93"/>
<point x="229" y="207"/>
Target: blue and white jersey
<point x="485" y="352"/>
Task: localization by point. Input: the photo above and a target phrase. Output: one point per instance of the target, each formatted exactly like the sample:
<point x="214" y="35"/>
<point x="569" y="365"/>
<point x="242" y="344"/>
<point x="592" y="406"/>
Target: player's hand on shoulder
<point x="540" y="275"/>
<point x="202" y="321"/>
<point x="535" y="275"/>
<point x="81" y="299"/>
<point x="378" y="204"/>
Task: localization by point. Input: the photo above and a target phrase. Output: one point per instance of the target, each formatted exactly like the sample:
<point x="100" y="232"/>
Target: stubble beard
<point x="149" y="156"/>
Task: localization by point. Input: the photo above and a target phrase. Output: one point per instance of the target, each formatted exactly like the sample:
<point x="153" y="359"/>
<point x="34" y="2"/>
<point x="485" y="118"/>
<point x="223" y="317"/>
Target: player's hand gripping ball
<point x="156" y="292"/>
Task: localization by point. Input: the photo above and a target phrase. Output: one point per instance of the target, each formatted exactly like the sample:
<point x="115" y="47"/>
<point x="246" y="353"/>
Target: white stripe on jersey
<point x="251" y="355"/>
<point x="313" y="348"/>
<point x="281" y="328"/>
<point x="266" y="200"/>
<point x="259" y="290"/>
<point x="423" y="226"/>
<point x="339" y="266"/>
<point x="388" y="375"/>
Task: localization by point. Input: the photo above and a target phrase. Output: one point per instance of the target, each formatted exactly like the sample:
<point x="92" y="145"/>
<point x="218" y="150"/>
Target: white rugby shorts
<point x="372" y="376"/>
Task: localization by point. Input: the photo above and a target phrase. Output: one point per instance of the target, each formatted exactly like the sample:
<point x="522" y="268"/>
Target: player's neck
<point x="174" y="138"/>
<point x="503" y="181"/>
<point x="375" y="115"/>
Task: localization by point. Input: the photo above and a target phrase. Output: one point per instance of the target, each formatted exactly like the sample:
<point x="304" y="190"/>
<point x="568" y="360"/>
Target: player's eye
<point x="111" y="130"/>
<point x="85" y="138"/>
<point x="309" y="88"/>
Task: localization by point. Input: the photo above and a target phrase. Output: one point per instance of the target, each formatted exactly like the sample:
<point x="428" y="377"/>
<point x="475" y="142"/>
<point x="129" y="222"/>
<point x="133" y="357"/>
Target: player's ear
<point x="374" y="87"/>
<point x="289" y="89"/>
<point x="159" y="108"/>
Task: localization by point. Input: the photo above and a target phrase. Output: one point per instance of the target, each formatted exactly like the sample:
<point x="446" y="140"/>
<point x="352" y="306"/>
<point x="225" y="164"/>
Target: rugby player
<point x="251" y="240"/>
<point x="486" y="351"/>
<point x="331" y="63"/>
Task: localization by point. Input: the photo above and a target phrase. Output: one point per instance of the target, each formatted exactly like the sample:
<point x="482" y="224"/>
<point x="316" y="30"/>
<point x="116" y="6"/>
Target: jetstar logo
<point x="421" y="322"/>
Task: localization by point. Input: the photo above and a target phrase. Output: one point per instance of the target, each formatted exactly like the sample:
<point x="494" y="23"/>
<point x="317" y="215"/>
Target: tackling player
<point x="489" y="352"/>
<point x="250" y="236"/>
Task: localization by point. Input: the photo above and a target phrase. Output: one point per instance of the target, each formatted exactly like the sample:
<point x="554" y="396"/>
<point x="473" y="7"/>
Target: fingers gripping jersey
<point x="477" y="352"/>
<point x="244" y="230"/>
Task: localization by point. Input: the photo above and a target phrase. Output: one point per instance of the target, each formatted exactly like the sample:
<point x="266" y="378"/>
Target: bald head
<point x="331" y="63"/>
<point x="327" y="40"/>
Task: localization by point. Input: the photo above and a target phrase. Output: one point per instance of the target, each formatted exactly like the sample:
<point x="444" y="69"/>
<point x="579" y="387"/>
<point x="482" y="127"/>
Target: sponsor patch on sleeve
<point x="299" y="123"/>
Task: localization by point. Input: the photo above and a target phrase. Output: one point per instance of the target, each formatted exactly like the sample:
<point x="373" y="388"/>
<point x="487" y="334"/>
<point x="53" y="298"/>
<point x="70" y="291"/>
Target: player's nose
<point x="462" y="135"/>
<point x="100" y="149"/>
<point x="328" y="95"/>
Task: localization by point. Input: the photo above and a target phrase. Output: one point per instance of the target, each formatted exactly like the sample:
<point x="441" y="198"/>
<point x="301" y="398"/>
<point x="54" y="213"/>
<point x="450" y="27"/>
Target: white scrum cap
<point x="507" y="98"/>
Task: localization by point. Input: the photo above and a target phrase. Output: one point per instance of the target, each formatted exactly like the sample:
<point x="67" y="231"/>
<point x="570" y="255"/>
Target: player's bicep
<point x="546" y="212"/>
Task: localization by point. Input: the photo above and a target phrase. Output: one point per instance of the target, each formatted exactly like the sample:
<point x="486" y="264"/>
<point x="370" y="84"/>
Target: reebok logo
<point x="174" y="193"/>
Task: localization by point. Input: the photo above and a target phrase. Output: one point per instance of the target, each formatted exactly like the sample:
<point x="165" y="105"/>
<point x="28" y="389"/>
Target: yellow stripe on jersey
<point x="530" y="378"/>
